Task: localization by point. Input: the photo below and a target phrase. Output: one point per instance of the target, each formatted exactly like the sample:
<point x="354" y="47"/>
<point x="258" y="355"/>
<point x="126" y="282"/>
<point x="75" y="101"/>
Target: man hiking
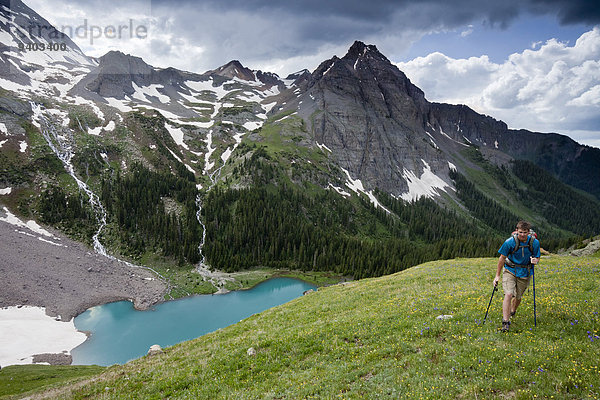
<point x="517" y="255"/>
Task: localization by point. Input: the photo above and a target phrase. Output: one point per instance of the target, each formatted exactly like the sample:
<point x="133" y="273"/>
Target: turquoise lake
<point x="119" y="333"/>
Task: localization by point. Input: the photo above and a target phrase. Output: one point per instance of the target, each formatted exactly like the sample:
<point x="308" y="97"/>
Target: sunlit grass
<point x="381" y="338"/>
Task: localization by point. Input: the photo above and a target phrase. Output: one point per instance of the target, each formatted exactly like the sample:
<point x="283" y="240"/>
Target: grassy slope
<point x="16" y="379"/>
<point x="380" y="338"/>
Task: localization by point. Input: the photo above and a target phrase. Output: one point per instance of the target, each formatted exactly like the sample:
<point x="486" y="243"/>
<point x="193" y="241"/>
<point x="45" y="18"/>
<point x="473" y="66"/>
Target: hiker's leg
<point x="509" y="285"/>
<point x="515" y="303"/>
<point x="506" y="306"/>
<point x="521" y="286"/>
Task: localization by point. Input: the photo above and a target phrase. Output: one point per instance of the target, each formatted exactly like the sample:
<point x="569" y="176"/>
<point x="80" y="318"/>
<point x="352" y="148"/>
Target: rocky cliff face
<point x="371" y="117"/>
<point x="381" y="129"/>
<point x="572" y="163"/>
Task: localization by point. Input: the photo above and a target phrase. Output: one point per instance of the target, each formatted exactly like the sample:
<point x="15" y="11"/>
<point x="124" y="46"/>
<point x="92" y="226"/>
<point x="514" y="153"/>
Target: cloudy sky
<point x="534" y="64"/>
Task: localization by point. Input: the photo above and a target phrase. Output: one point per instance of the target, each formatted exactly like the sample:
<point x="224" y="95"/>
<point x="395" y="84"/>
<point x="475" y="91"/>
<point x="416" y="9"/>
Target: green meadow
<point x="382" y="338"/>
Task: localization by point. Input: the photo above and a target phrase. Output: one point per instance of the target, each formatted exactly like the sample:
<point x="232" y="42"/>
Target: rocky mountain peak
<point x="359" y="49"/>
<point x="299" y="77"/>
<point x="296" y="75"/>
<point x="268" y="78"/>
<point x="115" y="73"/>
<point x="22" y="26"/>
<point x="125" y="63"/>
<point x="234" y="69"/>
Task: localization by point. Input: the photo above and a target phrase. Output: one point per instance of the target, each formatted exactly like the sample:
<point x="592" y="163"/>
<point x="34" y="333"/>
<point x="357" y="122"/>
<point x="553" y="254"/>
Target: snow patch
<point x="13" y="86"/>
<point x="323" y="147"/>
<point x="7" y="39"/>
<point x="269" y="106"/>
<point x="81" y="101"/>
<point x="328" y="69"/>
<point x="451" y="166"/>
<point x="226" y="154"/>
<point x="118" y="104"/>
<point x="3" y="129"/>
<point x="252" y="125"/>
<point x="177" y="135"/>
<point x="5" y="191"/>
<point x="426" y="185"/>
<point x="272" y="91"/>
<point x="22" y="146"/>
<point x="200" y="86"/>
<point x="95" y="131"/>
<point x="27" y="331"/>
<point x="340" y="190"/>
<point x="31" y="225"/>
<point x="207" y="164"/>
<point x="286" y="117"/>
<point x="432" y="141"/>
<point x="142" y="92"/>
<point x="357" y="187"/>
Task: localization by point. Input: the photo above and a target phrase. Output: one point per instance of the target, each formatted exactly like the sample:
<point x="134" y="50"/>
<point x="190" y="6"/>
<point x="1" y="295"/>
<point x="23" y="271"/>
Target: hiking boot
<point x="505" y="326"/>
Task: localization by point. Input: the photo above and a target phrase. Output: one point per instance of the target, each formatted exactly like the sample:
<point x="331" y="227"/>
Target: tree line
<point x="280" y="227"/>
<point x="135" y="203"/>
<point x="557" y="202"/>
<point x="278" y="224"/>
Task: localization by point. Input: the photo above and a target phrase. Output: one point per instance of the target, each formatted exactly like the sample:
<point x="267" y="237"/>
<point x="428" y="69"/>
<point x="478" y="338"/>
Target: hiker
<point x="517" y="255"/>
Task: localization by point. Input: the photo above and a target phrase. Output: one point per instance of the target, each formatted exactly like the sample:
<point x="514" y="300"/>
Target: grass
<point x="186" y="281"/>
<point x="17" y="379"/>
<point x="380" y="338"/>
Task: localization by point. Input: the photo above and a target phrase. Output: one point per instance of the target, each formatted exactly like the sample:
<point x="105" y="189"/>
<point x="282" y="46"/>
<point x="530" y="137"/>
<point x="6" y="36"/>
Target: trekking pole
<point x="490" y="303"/>
<point x="534" y="313"/>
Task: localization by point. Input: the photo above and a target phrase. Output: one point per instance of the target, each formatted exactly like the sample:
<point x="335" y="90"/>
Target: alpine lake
<point x="119" y="333"/>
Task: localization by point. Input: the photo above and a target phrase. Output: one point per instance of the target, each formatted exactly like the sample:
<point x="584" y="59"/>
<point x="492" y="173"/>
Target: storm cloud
<point x="552" y="85"/>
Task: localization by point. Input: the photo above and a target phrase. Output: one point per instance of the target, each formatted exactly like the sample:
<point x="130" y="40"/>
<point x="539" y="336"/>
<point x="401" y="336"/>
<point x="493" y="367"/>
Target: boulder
<point x="154" y="350"/>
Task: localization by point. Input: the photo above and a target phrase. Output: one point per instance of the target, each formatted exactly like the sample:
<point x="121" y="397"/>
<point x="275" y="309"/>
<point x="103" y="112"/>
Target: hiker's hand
<point x="535" y="260"/>
<point x="496" y="279"/>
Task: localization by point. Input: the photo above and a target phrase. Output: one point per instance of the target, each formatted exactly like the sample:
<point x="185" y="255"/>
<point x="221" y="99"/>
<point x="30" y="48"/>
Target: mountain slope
<point x="382" y="338"/>
<point x="348" y="168"/>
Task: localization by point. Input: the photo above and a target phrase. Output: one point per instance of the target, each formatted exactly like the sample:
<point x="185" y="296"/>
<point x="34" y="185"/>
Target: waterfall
<point x="217" y="279"/>
<point x="62" y="143"/>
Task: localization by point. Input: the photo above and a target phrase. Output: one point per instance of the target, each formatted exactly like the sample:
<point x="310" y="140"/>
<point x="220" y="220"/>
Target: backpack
<point x="532" y="236"/>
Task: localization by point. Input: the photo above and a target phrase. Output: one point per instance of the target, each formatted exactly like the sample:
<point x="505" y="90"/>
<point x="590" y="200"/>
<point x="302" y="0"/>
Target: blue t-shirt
<point x="520" y="257"/>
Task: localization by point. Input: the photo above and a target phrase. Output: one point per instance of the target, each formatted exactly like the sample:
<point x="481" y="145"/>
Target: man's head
<point x="523" y="228"/>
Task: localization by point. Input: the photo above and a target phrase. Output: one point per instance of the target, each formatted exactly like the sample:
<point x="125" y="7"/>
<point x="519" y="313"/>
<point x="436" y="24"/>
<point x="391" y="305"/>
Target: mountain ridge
<point x="355" y="135"/>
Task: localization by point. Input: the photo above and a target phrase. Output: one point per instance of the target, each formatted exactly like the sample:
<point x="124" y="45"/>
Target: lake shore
<point x="43" y="268"/>
<point x="46" y="269"/>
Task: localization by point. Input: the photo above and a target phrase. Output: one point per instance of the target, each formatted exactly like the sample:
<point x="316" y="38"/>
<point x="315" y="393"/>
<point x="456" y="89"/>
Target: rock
<point x="309" y="291"/>
<point x="154" y="350"/>
<point x="444" y="317"/>
<point x="588" y="250"/>
<point x="251" y="352"/>
<point x="53" y="359"/>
